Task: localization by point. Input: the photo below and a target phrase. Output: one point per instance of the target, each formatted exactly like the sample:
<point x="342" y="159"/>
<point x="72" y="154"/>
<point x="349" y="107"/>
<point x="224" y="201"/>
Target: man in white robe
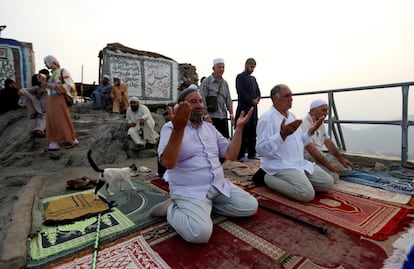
<point x="141" y="124"/>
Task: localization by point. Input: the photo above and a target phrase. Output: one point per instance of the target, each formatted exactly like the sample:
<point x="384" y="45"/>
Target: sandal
<point x="72" y="144"/>
<point x="38" y="133"/>
<point x="82" y="183"/>
<point x="143" y="169"/>
<point x="48" y="149"/>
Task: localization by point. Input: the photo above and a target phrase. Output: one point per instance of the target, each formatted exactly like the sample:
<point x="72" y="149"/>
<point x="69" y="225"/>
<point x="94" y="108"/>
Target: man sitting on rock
<point x="35" y="100"/>
<point x="141" y="124"/>
<point x="101" y="96"/>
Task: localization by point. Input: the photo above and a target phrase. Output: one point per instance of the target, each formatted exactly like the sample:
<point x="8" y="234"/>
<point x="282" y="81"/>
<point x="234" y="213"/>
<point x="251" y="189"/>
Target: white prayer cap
<point x="218" y="61"/>
<point x="107" y="77"/>
<point x="133" y="99"/>
<point x="317" y="102"/>
<point x="193" y="87"/>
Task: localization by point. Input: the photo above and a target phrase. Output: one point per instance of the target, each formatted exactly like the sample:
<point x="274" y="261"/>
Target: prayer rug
<point x="403" y="256"/>
<point x="161" y="184"/>
<point x="136" y="204"/>
<point x="371" y="192"/>
<point x="73" y="207"/>
<point x="266" y="240"/>
<point x="242" y="169"/>
<point x="382" y="181"/>
<point x="55" y="242"/>
<point x="403" y="173"/>
<point x="132" y="254"/>
<point x="131" y="214"/>
<point x="371" y="218"/>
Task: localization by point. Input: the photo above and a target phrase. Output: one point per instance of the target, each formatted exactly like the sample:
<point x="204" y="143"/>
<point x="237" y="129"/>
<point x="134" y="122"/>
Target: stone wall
<point x="16" y="62"/>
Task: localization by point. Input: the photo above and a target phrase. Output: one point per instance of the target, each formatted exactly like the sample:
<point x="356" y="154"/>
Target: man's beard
<point x="134" y="108"/>
<point x="195" y="118"/>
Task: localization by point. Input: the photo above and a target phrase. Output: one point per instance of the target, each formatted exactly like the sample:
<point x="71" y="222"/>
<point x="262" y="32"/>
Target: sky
<point x="308" y="45"/>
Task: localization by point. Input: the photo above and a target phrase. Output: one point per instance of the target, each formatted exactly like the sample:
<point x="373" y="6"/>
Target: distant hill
<point x="378" y="139"/>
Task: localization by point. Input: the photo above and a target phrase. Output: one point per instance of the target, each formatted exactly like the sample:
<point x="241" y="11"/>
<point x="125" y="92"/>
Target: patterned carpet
<point x="134" y="253"/>
<point x="55" y="242"/>
<point x="372" y="192"/>
<point x="265" y="240"/>
<point x="403" y="256"/>
<point x="371" y="218"/>
<point x="52" y="243"/>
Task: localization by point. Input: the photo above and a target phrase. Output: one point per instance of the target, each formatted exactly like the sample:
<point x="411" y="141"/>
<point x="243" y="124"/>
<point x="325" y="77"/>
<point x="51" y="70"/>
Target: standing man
<point x="248" y="95"/>
<point x="195" y="175"/>
<point x="332" y="162"/>
<point x="141" y="124"/>
<point x="216" y="97"/>
<point x="102" y="94"/>
<point x="280" y="143"/>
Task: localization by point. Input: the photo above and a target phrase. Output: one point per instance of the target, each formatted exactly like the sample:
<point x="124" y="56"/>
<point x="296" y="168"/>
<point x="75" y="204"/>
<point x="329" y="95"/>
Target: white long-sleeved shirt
<point x="143" y="112"/>
<point x="278" y="154"/>
<point x="320" y="135"/>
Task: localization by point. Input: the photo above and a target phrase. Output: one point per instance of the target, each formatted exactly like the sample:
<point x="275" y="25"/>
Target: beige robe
<point x="119" y="95"/>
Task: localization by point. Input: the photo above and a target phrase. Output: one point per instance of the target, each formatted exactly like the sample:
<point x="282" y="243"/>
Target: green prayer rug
<point x="130" y="213"/>
<point x="61" y="239"/>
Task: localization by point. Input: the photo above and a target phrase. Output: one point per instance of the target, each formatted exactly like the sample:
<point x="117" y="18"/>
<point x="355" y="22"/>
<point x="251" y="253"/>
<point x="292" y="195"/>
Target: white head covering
<point x="316" y="103"/>
<point x="193" y="87"/>
<point x="133" y="99"/>
<point x="107" y="77"/>
<point x="218" y="61"/>
<point x="51" y="60"/>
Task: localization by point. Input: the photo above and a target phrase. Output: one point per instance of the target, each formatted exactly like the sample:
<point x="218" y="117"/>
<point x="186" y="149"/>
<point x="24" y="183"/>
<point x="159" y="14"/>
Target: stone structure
<point x="150" y="76"/>
<point x="16" y="62"/>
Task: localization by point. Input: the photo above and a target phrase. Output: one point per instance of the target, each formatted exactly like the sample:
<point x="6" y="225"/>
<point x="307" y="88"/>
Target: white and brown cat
<point x="110" y="176"/>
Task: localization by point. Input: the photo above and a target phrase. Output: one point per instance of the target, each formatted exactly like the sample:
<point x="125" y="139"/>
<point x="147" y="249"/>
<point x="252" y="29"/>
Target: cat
<point x="109" y="176"/>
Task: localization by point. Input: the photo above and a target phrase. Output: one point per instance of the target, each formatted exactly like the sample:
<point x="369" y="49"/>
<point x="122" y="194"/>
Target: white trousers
<point x="298" y="185"/>
<point x="148" y="134"/>
<point x="33" y="106"/>
<point x="191" y="217"/>
<point x="344" y="171"/>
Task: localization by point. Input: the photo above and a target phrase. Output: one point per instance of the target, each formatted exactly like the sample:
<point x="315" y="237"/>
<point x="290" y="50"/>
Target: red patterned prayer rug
<point x="132" y="254"/>
<point x="265" y="241"/>
<point x="161" y="184"/>
<point x="371" y="218"/>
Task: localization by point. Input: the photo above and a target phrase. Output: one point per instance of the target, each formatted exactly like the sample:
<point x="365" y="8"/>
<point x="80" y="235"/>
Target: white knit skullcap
<point x="218" y="61"/>
<point x="317" y="102"/>
<point x="133" y="99"/>
<point x="193" y="87"/>
<point x="107" y="77"/>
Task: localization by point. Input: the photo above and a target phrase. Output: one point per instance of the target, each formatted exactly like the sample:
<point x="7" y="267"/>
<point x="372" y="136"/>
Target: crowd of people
<point x="195" y="141"/>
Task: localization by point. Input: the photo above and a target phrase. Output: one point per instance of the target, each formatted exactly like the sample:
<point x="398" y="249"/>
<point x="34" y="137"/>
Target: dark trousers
<point x="248" y="143"/>
<point x="222" y="126"/>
